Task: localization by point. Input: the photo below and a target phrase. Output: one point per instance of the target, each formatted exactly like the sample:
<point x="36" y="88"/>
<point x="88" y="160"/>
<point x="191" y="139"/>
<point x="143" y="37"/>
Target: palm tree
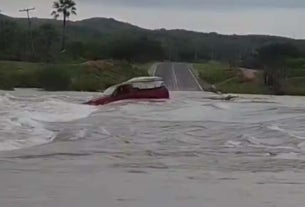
<point x="64" y="8"/>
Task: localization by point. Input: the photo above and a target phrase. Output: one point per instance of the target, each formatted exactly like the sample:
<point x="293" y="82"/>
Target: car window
<point x="121" y="90"/>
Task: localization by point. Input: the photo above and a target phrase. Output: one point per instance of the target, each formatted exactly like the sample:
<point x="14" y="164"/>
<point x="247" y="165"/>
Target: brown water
<point x="193" y="150"/>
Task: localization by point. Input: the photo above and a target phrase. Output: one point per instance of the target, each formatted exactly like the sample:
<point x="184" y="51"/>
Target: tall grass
<point x="214" y="72"/>
<point x="77" y="77"/>
<point x="54" y="78"/>
<point x="6" y="82"/>
<point x="228" y="80"/>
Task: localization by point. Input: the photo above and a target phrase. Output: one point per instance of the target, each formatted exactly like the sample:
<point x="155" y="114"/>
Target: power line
<point x="28" y="10"/>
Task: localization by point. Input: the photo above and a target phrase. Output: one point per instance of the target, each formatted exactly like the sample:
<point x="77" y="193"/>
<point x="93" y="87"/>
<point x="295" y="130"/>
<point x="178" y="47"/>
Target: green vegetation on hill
<point x="295" y="86"/>
<point x="242" y="87"/>
<point x="102" y="38"/>
<point x="55" y="64"/>
<point x="231" y="80"/>
<point x="214" y="72"/>
<point x="88" y="76"/>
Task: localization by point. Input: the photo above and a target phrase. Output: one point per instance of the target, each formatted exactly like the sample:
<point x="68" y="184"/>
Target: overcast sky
<point x="276" y="17"/>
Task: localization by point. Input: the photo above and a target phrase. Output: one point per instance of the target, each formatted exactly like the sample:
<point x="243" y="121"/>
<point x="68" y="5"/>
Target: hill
<point x="283" y="59"/>
<point x="109" y="38"/>
<point x="110" y="26"/>
<point x="81" y="30"/>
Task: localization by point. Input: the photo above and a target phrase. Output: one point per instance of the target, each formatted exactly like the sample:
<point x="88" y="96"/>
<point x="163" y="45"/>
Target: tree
<point x="273" y="54"/>
<point x="46" y="37"/>
<point x="76" y="49"/>
<point x="273" y="58"/>
<point x="8" y="34"/>
<point x="64" y="8"/>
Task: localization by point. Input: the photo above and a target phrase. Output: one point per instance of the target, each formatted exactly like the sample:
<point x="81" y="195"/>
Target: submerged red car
<point x="136" y="88"/>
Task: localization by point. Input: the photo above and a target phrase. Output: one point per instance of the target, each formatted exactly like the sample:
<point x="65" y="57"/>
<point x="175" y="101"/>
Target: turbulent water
<point x="57" y="152"/>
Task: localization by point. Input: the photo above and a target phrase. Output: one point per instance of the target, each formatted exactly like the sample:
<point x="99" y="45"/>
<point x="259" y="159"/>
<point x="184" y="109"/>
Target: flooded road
<point x="193" y="150"/>
<point x="178" y="76"/>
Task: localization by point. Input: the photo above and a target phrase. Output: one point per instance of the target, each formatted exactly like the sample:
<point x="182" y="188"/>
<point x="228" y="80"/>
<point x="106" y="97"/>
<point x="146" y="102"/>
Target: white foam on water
<point x="288" y="156"/>
<point x="172" y="110"/>
<point x="59" y="111"/>
<point x="276" y="128"/>
<point x="197" y="109"/>
<point x="79" y="134"/>
<point x="301" y="146"/>
<point x="23" y="120"/>
<point x="222" y="105"/>
<point x="286" y="131"/>
<point x="232" y="144"/>
<point x="268" y="143"/>
<point x="21" y="117"/>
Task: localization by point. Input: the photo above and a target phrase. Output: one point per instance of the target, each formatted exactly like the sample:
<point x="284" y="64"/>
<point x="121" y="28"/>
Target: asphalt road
<point x="178" y="76"/>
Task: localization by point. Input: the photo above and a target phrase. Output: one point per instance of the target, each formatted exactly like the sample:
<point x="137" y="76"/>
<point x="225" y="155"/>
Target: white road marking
<point x="175" y="76"/>
<point x="195" y="78"/>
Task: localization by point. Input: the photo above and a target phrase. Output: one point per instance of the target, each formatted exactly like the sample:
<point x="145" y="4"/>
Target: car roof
<point x="138" y="80"/>
<point x="144" y="79"/>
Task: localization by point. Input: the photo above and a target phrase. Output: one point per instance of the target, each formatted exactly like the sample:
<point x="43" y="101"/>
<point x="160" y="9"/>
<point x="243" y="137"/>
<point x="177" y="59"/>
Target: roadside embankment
<point x="225" y="79"/>
<point x="88" y="76"/>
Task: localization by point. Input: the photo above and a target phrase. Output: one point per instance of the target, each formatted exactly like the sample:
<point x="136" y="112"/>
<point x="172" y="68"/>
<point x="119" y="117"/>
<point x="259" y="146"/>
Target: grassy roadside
<point x="295" y="86"/>
<point x="144" y="66"/>
<point x="88" y="76"/>
<point x="230" y="80"/>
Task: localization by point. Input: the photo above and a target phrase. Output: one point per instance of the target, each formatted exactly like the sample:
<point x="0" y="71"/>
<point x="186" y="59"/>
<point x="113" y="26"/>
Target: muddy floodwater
<point x="195" y="150"/>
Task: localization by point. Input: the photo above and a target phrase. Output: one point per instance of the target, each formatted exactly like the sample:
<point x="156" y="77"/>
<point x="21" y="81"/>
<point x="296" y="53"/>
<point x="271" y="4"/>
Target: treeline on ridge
<point x="101" y="38"/>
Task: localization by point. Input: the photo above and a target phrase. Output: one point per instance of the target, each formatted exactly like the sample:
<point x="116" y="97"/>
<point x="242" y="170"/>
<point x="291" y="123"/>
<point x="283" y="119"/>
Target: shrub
<point x="215" y="72"/>
<point x="6" y="82"/>
<point x="26" y="79"/>
<point x="88" y="82"/>
<point x="53" y="78"/>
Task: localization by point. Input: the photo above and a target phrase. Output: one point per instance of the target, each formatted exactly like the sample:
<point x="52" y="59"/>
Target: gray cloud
<point x="200" y="4"/>
<point x="277" y="17"/>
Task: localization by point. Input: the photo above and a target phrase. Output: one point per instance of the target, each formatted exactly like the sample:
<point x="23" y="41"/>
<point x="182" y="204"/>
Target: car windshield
<point x="109" y="91"/>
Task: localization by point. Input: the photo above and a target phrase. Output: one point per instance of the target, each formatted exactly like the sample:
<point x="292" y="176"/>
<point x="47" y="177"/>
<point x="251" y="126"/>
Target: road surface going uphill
<point x="178" y="76"/>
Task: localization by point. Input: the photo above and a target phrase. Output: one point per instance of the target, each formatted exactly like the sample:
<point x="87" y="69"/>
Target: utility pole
<point x="28" y="10"/>
<point x="28" y="14"/>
